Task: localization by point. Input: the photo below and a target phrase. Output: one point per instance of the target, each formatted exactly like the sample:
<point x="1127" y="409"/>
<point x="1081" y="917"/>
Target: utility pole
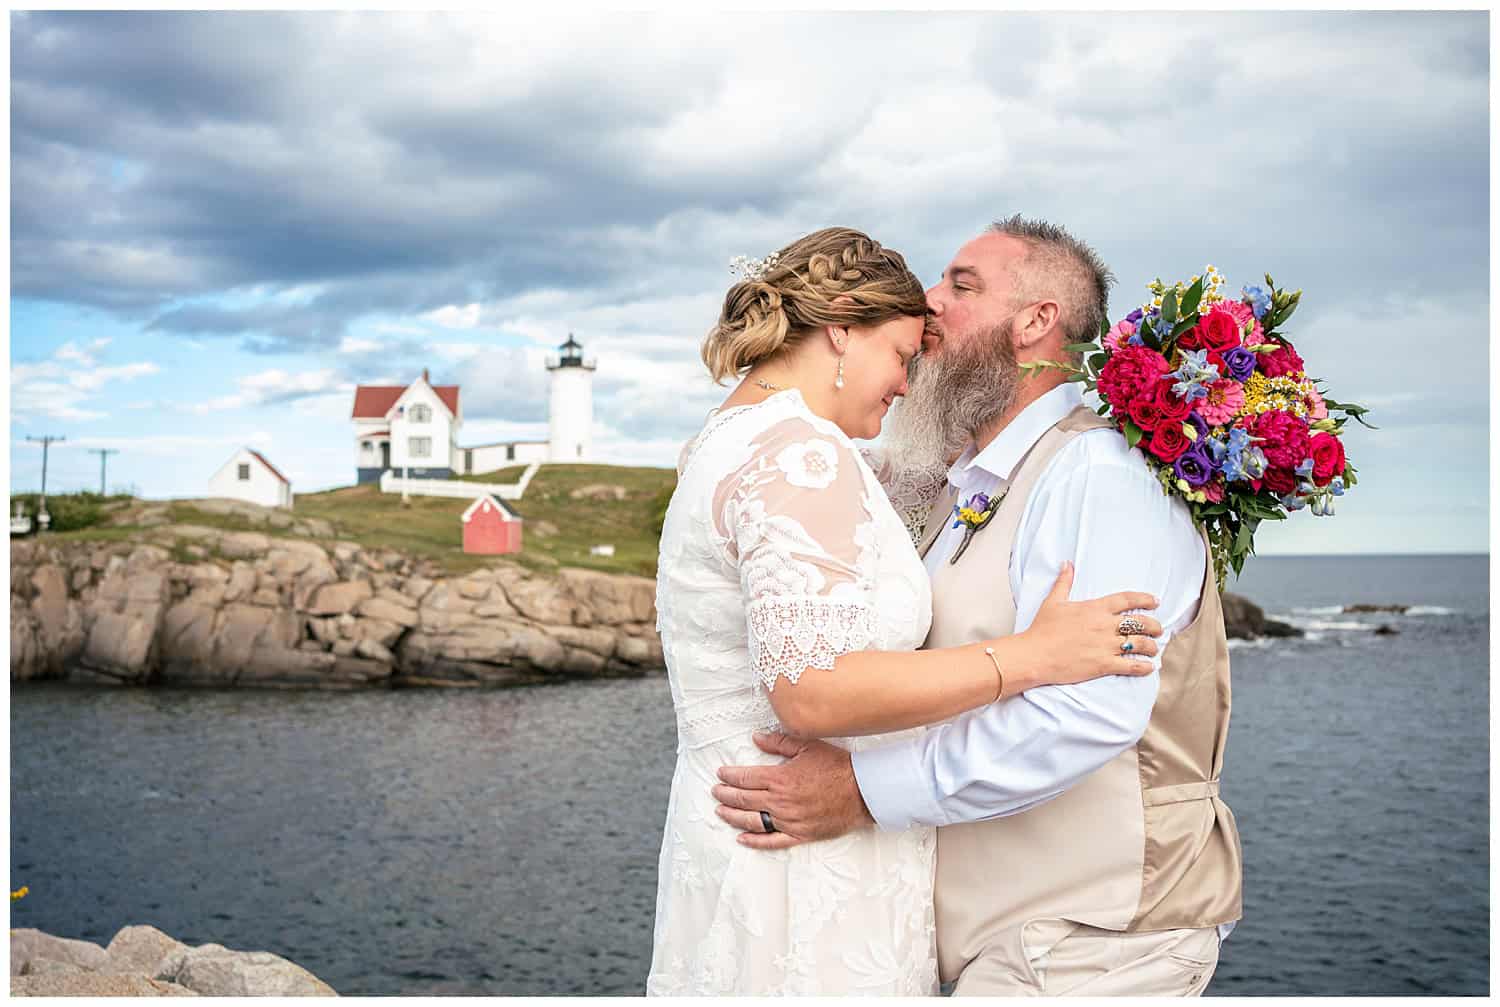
<point x="103" y="453"/>
<point x="42" y="520"/>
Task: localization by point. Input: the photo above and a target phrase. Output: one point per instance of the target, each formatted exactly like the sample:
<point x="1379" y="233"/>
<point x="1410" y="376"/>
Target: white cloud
<point x="61" y="387"/>
<point x="353" y="344"/>
<point x="274" y="385"/>
<point x="454" y="317"/>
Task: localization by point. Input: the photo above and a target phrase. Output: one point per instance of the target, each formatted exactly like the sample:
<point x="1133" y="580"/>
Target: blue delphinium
<point x="1194" y="375"/>
<point x="1260" y="301"/>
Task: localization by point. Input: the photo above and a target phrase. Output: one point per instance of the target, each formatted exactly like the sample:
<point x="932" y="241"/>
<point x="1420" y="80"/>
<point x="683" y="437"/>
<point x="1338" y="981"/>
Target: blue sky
<point x="221" y="223"/>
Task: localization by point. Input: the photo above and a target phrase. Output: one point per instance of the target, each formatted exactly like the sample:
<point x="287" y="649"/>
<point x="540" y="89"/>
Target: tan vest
<point x="1143" y="842"/>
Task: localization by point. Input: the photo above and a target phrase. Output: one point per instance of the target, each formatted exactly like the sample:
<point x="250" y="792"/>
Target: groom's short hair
<point x="1060" y="266"/>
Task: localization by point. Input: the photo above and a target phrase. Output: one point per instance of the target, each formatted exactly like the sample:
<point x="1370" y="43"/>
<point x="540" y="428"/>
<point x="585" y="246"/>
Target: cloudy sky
<point x="222" y="223"/>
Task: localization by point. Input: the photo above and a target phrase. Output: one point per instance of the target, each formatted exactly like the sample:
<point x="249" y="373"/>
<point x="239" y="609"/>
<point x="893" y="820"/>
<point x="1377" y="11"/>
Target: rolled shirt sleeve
<point x="1103" y="510"/>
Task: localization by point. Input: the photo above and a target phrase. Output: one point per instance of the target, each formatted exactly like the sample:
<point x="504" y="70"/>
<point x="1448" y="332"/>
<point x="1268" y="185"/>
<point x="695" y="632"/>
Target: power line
<point x="103" y="453"/>
<point x="46" y="441"/>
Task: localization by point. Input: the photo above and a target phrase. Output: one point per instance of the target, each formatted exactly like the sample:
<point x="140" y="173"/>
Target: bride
<point x="790" y="596"/>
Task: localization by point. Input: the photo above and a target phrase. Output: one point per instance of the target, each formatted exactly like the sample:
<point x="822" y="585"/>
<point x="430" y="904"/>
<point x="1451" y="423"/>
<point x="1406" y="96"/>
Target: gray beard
<point x="950" y="397"/>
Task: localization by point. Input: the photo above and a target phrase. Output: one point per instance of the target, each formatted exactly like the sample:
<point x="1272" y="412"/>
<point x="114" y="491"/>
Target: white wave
<point x="1329" y="625"/>
<point x="1260" y="643"/>
<point x="1430" y="610"/>
<point x="1320" y="610"/>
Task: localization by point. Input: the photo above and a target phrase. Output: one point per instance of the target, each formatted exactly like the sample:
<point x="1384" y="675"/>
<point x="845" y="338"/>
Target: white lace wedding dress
<point x="780" y="552"/>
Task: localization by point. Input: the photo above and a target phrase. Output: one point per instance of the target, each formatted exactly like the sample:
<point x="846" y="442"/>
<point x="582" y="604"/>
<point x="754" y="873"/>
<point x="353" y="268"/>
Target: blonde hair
<point x="765" y="317"/>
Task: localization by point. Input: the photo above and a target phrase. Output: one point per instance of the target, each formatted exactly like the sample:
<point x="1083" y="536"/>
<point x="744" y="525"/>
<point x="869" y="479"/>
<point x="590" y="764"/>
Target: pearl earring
<point x="838" y="381"/>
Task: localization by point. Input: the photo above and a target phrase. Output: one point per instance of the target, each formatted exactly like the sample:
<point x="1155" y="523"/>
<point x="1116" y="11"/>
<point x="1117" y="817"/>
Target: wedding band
<point x="765" y="820"/>
<point x="1131" y="625"/>
<point x="1127" y="647"/>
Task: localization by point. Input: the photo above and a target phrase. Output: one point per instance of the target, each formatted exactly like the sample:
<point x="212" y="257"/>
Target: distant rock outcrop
<point x="198" y="606"/>
<point x="1244" y="620"/>
<point x="143" y="961"/>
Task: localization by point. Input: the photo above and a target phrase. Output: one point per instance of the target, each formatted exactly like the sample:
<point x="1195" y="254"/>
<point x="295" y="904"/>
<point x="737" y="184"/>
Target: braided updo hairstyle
<point x="765" y="317"/>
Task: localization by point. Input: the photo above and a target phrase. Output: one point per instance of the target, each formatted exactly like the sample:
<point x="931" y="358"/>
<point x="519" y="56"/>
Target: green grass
<point x="430" y="527"/>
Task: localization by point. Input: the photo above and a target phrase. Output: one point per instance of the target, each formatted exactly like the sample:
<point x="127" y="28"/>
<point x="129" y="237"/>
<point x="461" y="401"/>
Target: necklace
<point x="768" y="386"/>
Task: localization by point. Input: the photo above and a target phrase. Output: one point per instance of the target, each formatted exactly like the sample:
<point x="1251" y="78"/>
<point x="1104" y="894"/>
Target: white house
<point x="249" y="476"/>
<point x="413" y="429"/>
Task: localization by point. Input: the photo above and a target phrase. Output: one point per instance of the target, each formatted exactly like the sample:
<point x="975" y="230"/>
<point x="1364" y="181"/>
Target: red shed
<point x="491" y="527"/>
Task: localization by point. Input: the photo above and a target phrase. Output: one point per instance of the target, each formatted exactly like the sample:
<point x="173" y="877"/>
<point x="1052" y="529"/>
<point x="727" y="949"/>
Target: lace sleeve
<point x="799" y="527"/>
<point x="911" y="491"/>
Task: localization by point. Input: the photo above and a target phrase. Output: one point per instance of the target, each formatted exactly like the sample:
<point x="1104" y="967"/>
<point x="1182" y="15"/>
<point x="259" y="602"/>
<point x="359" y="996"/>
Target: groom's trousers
<point x="1088" y="961"/>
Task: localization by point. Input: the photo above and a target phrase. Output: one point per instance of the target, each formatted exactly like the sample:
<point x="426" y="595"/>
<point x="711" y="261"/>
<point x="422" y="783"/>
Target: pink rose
<point x="1133" y="371"/>
<point x="1281" y="361"/>
<point x="1215" y="491"/>
<point x="1284" y="436"/>
<point x="1328" y="458"/>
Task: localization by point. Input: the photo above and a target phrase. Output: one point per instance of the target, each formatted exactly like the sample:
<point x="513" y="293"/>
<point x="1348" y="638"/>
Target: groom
<point x="1084" y="849"/>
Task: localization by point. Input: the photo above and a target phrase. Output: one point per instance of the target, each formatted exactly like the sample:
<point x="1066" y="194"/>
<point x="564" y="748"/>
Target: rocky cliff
<point x="200" y="606"/>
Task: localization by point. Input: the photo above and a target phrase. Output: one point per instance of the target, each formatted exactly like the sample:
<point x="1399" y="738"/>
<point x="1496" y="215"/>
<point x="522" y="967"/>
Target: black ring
<point x="765" y="820"/>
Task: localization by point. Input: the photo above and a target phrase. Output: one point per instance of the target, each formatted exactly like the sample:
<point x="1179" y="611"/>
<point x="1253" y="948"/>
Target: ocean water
<point x="505" y="842"/>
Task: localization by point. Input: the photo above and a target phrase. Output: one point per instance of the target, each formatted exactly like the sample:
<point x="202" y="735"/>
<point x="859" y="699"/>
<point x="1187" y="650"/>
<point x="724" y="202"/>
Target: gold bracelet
<point x="1000" y="674"/>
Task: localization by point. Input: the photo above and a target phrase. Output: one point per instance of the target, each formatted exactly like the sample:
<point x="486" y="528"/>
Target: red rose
<point x="1216" y="330"/>
<point x="1131" y="372"/>
<point x="1146" y="413"/>
<point x="1284" y="437"/>
<point x="1172" y="407"/>
<point x="1281" y="481"/>
<point x="1328" y="458"/>
<point x="1169" y="442"/>
<point x="1279" y="362"/>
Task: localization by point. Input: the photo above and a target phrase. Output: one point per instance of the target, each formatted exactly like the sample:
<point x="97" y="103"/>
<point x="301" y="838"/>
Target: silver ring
<point x="1130" y="625"/>
<point x="1127" y="647"/>
<point x="765" y="820"/>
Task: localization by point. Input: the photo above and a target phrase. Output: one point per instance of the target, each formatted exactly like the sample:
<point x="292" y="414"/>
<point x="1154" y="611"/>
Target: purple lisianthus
<point x="1134" y="317"/>
<point x="979" y="502"/>
<point x="1193" y="466"/>
<point x="1199" y="424"/>
<point x="1240" y="363"/>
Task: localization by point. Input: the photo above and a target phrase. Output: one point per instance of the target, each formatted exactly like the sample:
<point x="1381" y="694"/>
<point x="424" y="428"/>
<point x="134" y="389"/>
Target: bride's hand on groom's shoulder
<point x="813" y="795"/>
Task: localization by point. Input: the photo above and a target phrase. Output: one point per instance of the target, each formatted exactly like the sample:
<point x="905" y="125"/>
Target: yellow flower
<point x="19" y="893"/>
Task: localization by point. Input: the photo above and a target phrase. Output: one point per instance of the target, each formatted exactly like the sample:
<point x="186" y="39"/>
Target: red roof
<point x="262" y="459"/>
<point x="372" y="402"/>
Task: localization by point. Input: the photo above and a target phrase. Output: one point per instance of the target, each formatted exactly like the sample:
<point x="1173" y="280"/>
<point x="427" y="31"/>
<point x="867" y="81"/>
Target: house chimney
<point x="425" y="377"/>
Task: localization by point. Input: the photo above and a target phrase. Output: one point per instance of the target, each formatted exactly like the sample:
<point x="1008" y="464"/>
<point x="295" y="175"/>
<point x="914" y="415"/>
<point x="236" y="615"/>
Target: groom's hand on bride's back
<point x="812" y="795"/>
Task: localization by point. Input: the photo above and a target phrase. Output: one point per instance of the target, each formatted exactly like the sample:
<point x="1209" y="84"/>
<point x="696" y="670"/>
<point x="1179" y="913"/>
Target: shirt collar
<point x="1000" y="456"/>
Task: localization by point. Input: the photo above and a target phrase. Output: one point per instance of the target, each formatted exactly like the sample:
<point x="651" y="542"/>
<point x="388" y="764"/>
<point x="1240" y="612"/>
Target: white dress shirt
<point x="1098" y="505"/>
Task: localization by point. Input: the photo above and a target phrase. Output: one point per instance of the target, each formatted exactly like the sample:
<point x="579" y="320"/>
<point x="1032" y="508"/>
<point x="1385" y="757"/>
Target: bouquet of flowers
<point x="1222" y="407"/>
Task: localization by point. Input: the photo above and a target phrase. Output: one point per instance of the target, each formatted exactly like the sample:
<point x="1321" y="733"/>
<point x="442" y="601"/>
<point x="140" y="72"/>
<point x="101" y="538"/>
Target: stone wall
<point x="199" y="606"/>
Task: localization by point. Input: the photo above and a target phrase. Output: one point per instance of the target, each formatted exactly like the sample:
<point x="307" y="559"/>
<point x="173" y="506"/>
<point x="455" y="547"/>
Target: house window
<point x="244" y="473"/>
<point x="420" y="414"/>
<point x="419" y="447"/>
<point x="510" y="452"/>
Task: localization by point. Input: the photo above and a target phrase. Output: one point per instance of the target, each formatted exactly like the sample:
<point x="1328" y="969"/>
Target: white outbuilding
<point x="249" y="476"/>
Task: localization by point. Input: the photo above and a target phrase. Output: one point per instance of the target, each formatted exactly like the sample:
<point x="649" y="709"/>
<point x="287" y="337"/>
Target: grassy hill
<point x="559" y="527"/>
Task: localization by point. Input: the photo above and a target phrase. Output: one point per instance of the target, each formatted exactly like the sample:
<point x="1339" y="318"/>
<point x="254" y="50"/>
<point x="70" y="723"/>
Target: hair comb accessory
<point x="748" y="269"/>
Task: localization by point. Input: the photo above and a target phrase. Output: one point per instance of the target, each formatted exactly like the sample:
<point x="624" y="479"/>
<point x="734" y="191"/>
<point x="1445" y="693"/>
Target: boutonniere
<point x="973" y="515"/>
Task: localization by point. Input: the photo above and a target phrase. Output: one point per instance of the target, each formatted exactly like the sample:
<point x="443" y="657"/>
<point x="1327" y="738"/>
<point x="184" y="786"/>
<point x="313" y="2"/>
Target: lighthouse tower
<point x="571" y="408"/>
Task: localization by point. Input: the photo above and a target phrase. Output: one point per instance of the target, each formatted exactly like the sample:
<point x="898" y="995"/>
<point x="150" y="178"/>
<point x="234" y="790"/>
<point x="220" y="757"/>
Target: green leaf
<point x="1098" y="360"/>
<point x="1133" y="434"/>
<point x="1149" y="337"/>
<point x="1169" y="306"/>
<point x="1192" y="297"/>
<point x="1081" y="347"/>
<point x="1104" y="327"/>
<point x="1102" y="409"/>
